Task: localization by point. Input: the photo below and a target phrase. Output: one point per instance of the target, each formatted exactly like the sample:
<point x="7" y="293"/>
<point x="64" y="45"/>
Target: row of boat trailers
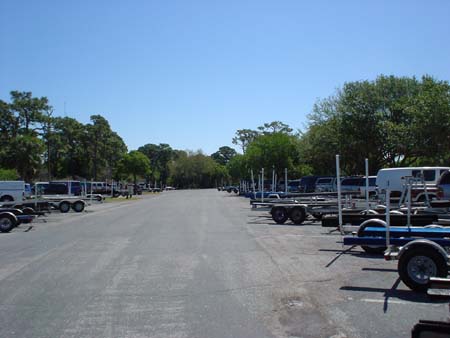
<point x="417" y="236"/>
<point x="13" y="214"/>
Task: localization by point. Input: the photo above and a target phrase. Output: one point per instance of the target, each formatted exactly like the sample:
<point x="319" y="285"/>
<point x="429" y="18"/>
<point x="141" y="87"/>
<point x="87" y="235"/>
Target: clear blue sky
<point x="190" y="73"/>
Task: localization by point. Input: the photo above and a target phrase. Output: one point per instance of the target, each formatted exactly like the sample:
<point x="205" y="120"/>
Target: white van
<point x="12" y="191"/>
<point x="394" y="179"/>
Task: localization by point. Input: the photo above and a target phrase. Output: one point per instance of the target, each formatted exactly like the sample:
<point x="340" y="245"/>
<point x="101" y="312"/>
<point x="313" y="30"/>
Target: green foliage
<point x="8" y="175"/>
<point x="276" y="150"/>
<point x="392" y="121"/>
<point x="195" y="170"/>
<point x="244" y="137"/>
<point x="135" y="164"/>
<point x="160" y="157"/>
<point x="224" y="155"/>
<point x="237" y="168"/>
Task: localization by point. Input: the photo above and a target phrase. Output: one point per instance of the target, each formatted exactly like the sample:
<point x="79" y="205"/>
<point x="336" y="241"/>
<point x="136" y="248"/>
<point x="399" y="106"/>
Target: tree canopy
<point x="392" y="121"/>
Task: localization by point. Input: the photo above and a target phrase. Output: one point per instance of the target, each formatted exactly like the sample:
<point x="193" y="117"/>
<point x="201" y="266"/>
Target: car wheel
<point x="6" y="199"/>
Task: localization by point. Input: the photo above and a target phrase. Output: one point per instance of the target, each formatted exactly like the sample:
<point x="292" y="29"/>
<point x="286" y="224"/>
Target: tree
<point x="8" y="175"/>
<point x="275" y="150"/>
<point x="223" y="155"/>
<point x="237" y="168"/>
<point x="195" y="170"/>
<point x="20" y="127"/>
<point x="160" y="157"/>
<point x="244" y="137"/>
<point x="275" y="127"/>
<point x="392" y="121"/>
<point x="104" y="146"/>
<point x="135" y="164"/>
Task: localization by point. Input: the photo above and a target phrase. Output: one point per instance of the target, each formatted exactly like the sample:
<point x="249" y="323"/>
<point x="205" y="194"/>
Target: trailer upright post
<point x="338" y="178"/>
<point x="91" y="189"/>
<point x="253" y="184"/>
<point x="273" y="178"/>
<point x="367" y="184"/>
<point x="388" y="216"/>
<point x="262" y="190"/>
<point x="285" y="181"/>
<point x="409" y="203"/>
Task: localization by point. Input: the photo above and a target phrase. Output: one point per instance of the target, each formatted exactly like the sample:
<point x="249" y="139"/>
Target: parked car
<point x="27" y="190"/>
<point x="72" y="187"/>
<point x="326" y="184"/>
<point x="352" y="184"/>
<point x="372" y="186"/>
<point x="308" y="183"/>
<point x="444" y="184"/>
<point x="394" y="179"/>
<point x="294" y="185"/>
<point x="12" y="191"/>
<point x="47" y="188"/>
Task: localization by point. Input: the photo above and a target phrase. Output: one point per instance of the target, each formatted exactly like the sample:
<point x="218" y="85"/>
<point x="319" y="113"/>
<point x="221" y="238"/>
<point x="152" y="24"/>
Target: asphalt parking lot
<point x="196" y="263"/>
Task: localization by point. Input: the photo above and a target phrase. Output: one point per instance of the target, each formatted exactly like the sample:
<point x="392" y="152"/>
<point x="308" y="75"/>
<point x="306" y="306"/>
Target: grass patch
<point x="119" y="199"/>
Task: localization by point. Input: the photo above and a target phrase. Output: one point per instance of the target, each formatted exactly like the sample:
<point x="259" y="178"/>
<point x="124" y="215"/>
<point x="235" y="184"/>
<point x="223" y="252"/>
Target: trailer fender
<point x="373" y="222"/>
<point x="369" y="212"/>
<point x="422" y="242"/>
<point x="422" y="197"/>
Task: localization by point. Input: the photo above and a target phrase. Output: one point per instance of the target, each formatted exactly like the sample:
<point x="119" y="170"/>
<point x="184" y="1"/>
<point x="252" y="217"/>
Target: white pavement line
<point x="399" y="302"/>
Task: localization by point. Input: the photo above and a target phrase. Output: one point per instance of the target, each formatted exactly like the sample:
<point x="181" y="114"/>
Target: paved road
<point x="195" y="264"/>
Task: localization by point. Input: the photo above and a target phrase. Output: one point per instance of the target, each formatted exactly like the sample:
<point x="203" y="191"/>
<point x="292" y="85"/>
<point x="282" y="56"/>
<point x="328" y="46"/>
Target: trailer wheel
<point x="418" y="264"/>
<point x="99" y="198"/>
<point x="64" y="207"/>
<point x="27" y="211"/>
<point x="371" y="249"/>
<point x="318" y="216"/>
<point x="279" y="215"/>
<point x="7" y="223"/>
<point x="78" y="206"/>
<point x="297" y="215"/>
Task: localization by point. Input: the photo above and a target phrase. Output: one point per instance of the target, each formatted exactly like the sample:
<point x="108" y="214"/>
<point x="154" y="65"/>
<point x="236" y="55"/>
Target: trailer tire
<point x="373" y="250"/>
<point x="417" y="264"/>
<point x="297" y="215"/>
<point x="7" y="222"/>
<point x="318" y="216"/>
<point x="27" y="211"/>
<point x="64" y="207"/>
<point x="279" y="215"/>
<point x="78" y="206"/>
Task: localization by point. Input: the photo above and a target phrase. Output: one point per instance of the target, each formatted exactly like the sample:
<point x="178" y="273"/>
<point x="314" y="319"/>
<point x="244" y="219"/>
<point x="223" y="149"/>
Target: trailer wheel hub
<point x="421" y="268"/>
